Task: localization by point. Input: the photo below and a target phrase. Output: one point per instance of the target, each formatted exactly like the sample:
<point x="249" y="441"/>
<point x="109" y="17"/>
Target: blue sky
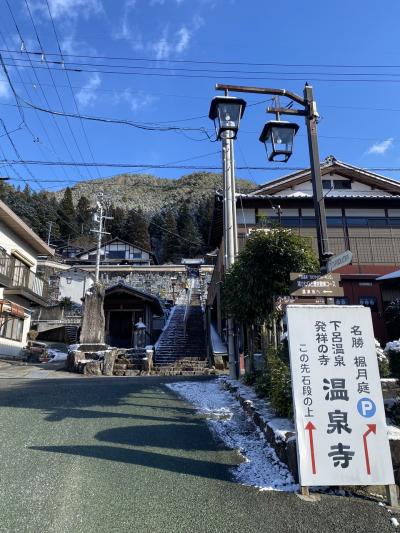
<point x="178" y="50"/>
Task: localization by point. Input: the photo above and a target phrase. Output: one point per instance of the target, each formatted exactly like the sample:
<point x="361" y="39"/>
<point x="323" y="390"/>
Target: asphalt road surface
<point x="126" y="454"/>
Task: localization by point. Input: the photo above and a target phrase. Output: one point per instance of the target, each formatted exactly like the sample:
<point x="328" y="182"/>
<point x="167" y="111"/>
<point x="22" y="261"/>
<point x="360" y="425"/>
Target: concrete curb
<point x="284" y="446"/>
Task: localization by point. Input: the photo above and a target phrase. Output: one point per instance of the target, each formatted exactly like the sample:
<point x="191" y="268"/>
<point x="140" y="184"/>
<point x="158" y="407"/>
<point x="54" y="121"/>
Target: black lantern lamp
<point x="278" y="138"/>
<point x="226" y="112"/>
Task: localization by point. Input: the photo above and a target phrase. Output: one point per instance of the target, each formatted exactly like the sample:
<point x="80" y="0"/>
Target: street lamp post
<point x="226" y="113"/>
<point x="280" y="135"/>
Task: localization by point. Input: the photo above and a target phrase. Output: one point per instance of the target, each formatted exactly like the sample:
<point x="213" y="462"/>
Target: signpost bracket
<point x="391" y="495"/>
<point x="304" y="491"/>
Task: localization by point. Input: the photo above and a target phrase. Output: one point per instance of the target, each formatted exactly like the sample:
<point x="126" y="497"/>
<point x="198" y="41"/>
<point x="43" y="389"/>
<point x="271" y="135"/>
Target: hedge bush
<point x="275" y="384"/>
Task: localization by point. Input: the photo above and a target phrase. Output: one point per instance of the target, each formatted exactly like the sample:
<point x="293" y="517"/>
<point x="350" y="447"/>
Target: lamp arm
<point x="262" y="90"/>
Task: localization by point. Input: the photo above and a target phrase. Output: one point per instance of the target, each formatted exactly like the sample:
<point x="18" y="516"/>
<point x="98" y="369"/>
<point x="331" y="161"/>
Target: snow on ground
<point x="227" y="421"/>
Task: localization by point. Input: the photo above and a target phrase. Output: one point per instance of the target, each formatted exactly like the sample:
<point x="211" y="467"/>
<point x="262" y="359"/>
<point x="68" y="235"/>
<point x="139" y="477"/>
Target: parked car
<point x="36" y="352"/>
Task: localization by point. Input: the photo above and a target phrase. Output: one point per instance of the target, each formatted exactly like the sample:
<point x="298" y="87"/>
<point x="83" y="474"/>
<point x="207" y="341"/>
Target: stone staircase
<point x="129" y="362"/>
<point x="71" y="333"/>
<point x="181" y="349"/>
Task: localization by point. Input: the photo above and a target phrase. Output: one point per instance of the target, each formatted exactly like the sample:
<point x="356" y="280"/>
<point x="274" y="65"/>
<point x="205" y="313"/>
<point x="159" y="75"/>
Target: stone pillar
<point x="93" y="322"/>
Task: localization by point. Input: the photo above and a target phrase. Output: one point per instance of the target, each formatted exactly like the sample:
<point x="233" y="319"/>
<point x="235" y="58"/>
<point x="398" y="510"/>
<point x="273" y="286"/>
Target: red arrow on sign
<point x="371" y="429"/>
<point x="310" y="428"/>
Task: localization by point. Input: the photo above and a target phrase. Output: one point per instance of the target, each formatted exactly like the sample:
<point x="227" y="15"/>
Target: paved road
<point x="125" y="454"/>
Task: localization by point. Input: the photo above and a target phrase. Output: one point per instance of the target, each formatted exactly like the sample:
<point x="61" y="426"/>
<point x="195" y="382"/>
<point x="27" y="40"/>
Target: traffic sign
<point x="340" y="260"/>
<point x="339" y="412"/>
<point x="314" y="285"/>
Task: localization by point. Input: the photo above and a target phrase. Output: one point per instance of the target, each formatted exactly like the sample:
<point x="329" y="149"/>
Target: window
<point x="343" y="300"/>
<point x="334" y="222"/>
<point x="394" y="222"/>
<point x="290" y="222"/>
<point x="357" y="222"/>
<point x="326" y="184"/>
<point x="308" y="222"/>
<point x="116" y="254"/>
<point x="342" y="184"/>
<point x="377" y="222"/>
<point x="369" y="301"/>
<point x="11" y="327"/>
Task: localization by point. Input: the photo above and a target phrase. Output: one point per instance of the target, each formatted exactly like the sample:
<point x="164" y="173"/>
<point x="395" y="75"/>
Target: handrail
<point x="187" y="306"/>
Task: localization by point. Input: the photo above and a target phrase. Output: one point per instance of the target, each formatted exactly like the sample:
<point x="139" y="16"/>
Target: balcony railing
<point x="14" y="276"/>
<point x="366" y="250"/>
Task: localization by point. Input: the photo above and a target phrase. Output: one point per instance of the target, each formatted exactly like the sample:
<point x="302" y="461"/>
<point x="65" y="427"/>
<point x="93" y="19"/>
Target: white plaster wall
<point x="75" y="290"/>
<point x="9" y="241"/>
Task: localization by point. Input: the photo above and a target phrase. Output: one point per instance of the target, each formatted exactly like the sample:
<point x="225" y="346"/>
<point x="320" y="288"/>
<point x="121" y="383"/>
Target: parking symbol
<point x="366" y="407"/>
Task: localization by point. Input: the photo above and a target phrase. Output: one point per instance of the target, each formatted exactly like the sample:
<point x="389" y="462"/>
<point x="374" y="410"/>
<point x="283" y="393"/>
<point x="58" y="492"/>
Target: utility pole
<point x="49" y="232"/>
<point x="318" y="195"/>
<point x="100" y="233"/>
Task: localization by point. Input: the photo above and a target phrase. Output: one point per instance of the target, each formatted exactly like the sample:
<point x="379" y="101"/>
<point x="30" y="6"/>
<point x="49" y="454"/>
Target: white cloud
<point x="136" y="101"/>
<point x="87" y="95"/>
<point x="169" y="43"/>
<point x="5" y="91"/>
<point x="184" y="36"/>
<point x="69" y="8"/>
<point x="165" y="47"/>
<point x="124" y="31"/>
<point x="380" y="148"/>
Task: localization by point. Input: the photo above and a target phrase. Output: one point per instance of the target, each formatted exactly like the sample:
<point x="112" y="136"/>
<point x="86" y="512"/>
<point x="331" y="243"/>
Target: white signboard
<point x="339" y="413"/>
<point x="340" y="260"/>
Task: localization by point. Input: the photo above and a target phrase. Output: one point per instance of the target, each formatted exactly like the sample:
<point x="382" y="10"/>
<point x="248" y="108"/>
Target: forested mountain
<point x="170" y="217"/>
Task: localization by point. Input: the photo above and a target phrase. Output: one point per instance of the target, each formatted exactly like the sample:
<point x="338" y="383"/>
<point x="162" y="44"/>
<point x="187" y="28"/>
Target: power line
<point x="214" y="62"/>
<point x="206" y="76"/>
<point x="36" y="112"/>
<point x="74" y="64"/>
<point x="52" y="80"/>
<point x="70" y="86"/>
<point x="40" y="87"/>
<point x="167" y="166"/>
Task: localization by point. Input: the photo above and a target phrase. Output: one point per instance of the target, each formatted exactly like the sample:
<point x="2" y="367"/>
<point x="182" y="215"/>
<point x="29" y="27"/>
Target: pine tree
<point x="67" y="216"/>
<point x="191" y="241"/>
<point x="116" y="226"/>
<point x="45" y="214"/>
<point x="136" y="229"/>
<point x="157" y="236"/>
<point x="172" y="242"/>
<point x="84" y="215"/>
<point x="204" y="218"/>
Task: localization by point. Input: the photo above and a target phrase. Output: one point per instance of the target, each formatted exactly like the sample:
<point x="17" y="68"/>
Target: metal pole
<point x="233" y="185"/>
<point x="97" y="275"/>
<point x="318" y="196"/>
<point x="229" y="250"/>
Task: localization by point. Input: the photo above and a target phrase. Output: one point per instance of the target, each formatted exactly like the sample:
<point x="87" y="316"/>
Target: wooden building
<point x="363" y="215"/>
<point x="126" y="308"/>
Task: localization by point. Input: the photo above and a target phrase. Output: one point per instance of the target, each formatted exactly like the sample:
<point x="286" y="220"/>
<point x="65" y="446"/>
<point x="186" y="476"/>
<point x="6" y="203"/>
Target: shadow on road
<point x="181" y="465"/>
<point x="172" y="436"/>
<point x="140" y="404"/>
